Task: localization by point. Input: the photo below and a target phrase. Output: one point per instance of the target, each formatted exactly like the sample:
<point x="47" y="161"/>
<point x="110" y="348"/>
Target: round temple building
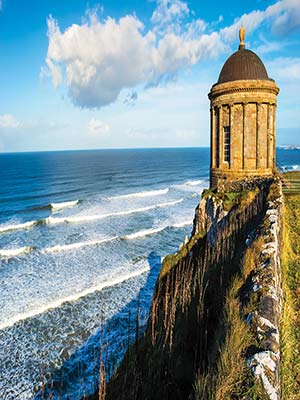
<point x="243" y="110"/>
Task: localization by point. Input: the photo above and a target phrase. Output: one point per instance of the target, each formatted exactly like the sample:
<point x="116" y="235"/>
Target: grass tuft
<point x="290" y="322"/>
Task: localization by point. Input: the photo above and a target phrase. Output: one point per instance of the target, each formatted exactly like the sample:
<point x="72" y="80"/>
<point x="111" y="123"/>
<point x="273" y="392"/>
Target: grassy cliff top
<point x="231" y="199"/>
<point x="290" y="321"/>
<point x="291" y="183"/>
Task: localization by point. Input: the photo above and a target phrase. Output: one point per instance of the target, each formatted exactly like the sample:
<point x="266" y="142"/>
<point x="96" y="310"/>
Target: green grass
<point x="171" y="260"/>
<point x="231" y="199"/>
<point x="290" y="322"/>
<point x="291" y="183"/>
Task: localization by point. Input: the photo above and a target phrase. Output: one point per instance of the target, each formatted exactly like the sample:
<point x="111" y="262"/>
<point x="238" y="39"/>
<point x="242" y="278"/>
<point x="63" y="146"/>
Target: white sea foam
<point x="170" y="203"/>
<point x="182" y="224"/>
<point x="195" y="183"/>
<point x="144" y="233"/>
<point x="9" y="253"/>
<point x="66" y="204"/>
<point x="152" y="231"/>
<point x="295" y="167"/>
<point x="13" y="227"/>
<point x="148" y="193"/>
<point x="87" y="218"/>
<point x="77" y="245"/>
<point x="71" y="298"/>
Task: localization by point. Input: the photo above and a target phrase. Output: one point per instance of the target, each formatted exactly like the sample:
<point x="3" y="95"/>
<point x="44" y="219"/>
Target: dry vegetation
<point x="290" y="324"/>
<point x="230" y="378"/>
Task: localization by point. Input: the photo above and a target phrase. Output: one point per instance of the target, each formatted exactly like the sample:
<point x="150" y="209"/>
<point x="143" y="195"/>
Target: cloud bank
<point x="8" y="121"/>
<point x="99" y="58"/>
<point x="98" y="128"/>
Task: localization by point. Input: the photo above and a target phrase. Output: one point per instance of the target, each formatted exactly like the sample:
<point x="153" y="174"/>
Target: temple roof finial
<point x="242" y="37"/>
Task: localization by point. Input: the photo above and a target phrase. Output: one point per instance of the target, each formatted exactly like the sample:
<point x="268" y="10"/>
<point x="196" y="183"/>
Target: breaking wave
<point x="73" y="297"/>
<point x="195" y="183"/>
<point x="13" y="227"/>
<point x="87" y="218"/>
<point x="65" y="204"/>
<point x="182" y="224"/>
<point x="147" y="193"/>
<point x="77" y="245"/>
<point x="145" y="232"/>
<point x="9" y="253"/>
<point x="152" y="231"/>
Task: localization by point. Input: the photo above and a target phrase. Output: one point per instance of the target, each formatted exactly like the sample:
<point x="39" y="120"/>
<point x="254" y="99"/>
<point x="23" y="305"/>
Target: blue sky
<point x="132" y="73"/>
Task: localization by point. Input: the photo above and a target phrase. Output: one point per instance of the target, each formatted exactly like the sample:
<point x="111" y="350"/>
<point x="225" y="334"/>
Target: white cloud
<point x="167" y="10"/>
<point x="98" y="59"/>
<point x="285" y="68"/>
<point x="131" y="98"/>
<point x="268" y="46"/>
<point x="8" y="121"/>
<point x="186" y="134"/>
<point x="27" y="135"/>
<point x="98" y="128"/>
<point x="283" y="17"/>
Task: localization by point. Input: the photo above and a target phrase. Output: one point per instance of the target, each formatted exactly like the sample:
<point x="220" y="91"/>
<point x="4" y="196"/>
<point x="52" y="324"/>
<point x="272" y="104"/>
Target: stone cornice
<point x="243" y="86"/>
<point x="220" y="104"/>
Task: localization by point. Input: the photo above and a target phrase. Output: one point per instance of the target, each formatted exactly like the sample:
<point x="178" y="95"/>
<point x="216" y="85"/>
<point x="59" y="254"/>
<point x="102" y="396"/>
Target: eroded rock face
<point x="208" y="214"/>
<point x="266" y="319"/>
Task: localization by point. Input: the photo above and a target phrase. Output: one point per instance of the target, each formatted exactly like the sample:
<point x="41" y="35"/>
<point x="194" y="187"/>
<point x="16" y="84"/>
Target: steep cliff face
<point x="214" y="320"/>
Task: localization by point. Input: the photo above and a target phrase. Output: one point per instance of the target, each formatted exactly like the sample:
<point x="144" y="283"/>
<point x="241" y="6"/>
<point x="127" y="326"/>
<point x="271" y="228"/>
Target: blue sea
<point x="82" y="237"/>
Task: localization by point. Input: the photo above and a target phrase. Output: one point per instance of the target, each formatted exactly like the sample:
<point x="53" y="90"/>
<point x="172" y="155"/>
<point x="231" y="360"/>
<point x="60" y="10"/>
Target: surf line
<point x="85" y="218"/>
<point x="147" y="193"/>
<point x="152" y="231"/>
<point x="71" y="298"/>
<point x="65" y="204"/>
<point x="78" y="245"/>
<point x="9" y="253"/>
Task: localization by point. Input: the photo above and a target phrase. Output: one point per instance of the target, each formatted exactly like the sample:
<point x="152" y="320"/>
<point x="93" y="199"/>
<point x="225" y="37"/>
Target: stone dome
<point x="243" y="64"/>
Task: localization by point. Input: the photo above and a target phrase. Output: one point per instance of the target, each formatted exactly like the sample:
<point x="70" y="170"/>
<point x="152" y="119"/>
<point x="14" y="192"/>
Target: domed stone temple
<point x="243" y="110"/>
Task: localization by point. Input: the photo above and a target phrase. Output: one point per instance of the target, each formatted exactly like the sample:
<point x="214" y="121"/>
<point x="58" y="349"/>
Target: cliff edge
<point x="225" y="312"/>
<point x="213" y="330"/>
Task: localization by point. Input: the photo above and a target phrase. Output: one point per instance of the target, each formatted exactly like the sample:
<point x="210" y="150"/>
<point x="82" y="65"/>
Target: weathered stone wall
<point x="265" y="320"/>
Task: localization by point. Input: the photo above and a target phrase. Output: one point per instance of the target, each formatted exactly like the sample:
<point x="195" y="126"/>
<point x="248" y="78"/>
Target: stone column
<point x="213" y="155"/>
<point x="274" y="135"/>
<point x="236" y="130"/>
<point x="250" y="137"/>
<point x="230" y="106"/>
<point x="262" y="117"/>
<point x="221" y="138"/>
<point x="257" y="134"/>
<point x="243" y="138"/>
<point x="270" y="136"/>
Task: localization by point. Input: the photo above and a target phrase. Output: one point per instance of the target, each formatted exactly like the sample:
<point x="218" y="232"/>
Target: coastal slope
<point x="213" y="330"/>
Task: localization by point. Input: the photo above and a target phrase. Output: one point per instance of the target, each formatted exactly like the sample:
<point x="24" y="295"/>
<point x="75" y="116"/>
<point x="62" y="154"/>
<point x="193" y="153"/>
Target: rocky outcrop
<point x="209" y="213"/>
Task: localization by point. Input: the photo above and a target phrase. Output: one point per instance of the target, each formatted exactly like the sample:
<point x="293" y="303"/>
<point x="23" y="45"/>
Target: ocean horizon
<point x="82" y="237"/>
